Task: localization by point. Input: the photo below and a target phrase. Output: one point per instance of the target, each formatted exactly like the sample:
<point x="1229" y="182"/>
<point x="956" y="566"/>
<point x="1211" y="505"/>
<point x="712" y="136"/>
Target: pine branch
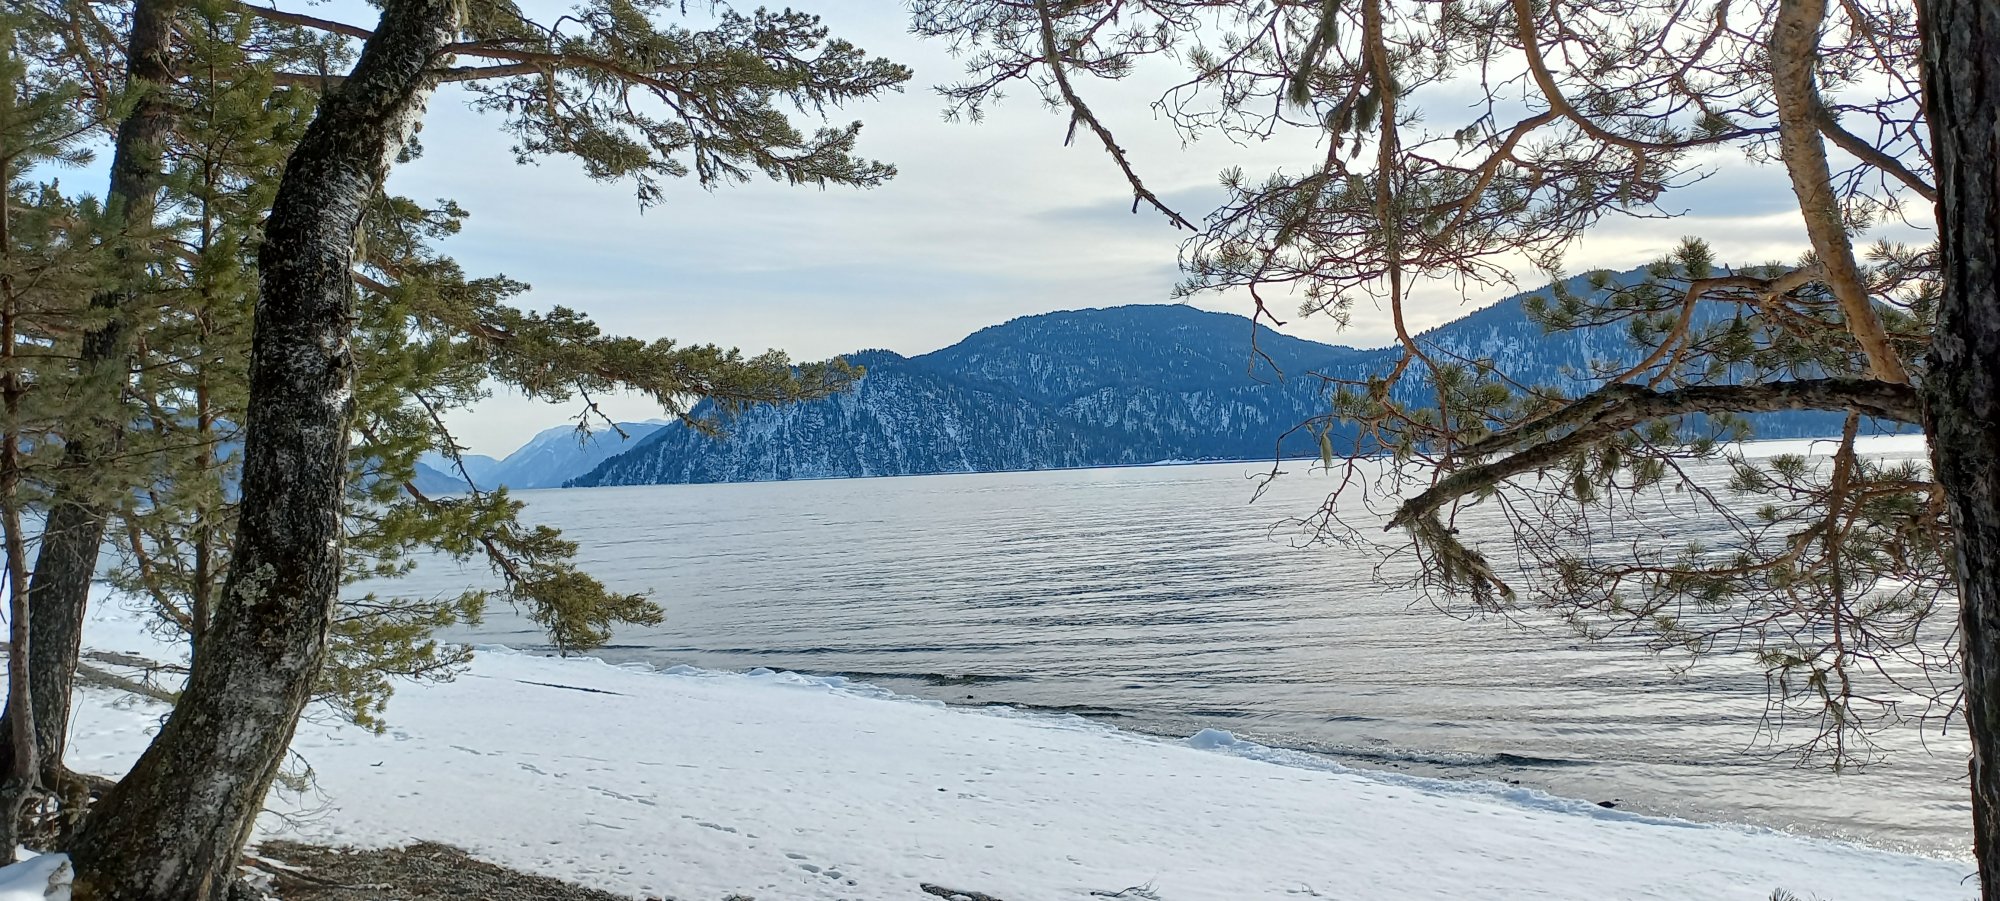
<point x="1080" y="114"/>
<point x="1608" y="411"/>
<point x="1545" y="80"/>
<point x="1873" y="156"/>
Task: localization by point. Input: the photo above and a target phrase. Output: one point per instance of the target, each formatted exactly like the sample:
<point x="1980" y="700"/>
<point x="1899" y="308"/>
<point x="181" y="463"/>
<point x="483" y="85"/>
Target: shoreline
<point x="693" y="784"/>
<point x="1393" y="762"/>
<point x="1882" y="443"/>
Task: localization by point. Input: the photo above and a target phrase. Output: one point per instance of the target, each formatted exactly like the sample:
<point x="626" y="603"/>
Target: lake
<point x="1160" y="599"/>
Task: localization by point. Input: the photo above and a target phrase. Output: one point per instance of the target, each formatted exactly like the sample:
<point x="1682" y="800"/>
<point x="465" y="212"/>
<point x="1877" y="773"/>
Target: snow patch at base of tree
<point x="44" y="877"/>
<point x="697" y="784"/>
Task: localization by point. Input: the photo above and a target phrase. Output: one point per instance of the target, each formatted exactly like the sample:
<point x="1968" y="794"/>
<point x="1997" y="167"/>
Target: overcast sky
<point x="985" y="222"/>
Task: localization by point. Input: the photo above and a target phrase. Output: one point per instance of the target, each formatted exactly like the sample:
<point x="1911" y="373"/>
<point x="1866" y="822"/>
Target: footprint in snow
<point x="831" y="873"/>
<point x="610" y="794"/>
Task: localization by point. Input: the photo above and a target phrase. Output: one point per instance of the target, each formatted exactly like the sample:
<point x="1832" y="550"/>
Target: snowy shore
<point x="693" y="785"/>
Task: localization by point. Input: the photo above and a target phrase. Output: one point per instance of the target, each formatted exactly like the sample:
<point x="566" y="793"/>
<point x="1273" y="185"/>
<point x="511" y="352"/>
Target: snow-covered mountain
<point x="1080" y="388"/>
<point x="1122" y="385"/>
<point x="551" y="458"/>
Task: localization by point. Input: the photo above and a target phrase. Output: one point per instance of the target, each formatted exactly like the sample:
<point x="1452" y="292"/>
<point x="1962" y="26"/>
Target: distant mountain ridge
<point x="1098" y="387"/>
<point x="552" y="457"/>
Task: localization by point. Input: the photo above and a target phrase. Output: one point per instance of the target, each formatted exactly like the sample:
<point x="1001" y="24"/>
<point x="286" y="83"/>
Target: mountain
<point x="430" y="479"/>
<point x="480" y="467"/>
<point x="1122" y="385"/>
<point x="551" y="458"/>
<point x="1080" y="388"/>
<point x="557" y="455"/>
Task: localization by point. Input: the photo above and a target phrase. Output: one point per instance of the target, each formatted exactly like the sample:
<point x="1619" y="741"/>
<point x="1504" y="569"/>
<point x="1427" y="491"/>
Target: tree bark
<point x="173" y="828"/>
<point x="1962" y="92"/>
<point x="19" y="780"/>
<point x="1795" y="90"/>
<point x="1604" y="413"/>
<point x="74" y="529"/>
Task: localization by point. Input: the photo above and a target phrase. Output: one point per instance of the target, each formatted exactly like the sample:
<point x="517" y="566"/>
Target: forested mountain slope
<point x="1100" y="387"/>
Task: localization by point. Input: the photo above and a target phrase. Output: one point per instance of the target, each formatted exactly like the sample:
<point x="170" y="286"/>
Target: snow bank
<point x="691" y="784"/>
<point x="43" y="878"/>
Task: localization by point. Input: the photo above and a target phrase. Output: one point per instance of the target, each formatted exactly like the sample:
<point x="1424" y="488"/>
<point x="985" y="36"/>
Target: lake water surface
<point x="1160" y="599"/>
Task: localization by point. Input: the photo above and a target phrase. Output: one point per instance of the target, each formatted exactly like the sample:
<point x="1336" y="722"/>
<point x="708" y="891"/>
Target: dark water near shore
<point x="1159" y="599"/>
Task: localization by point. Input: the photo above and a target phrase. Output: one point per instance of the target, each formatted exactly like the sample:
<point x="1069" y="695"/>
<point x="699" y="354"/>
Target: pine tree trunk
<point x="18" y="783"/>
<point x="173" y="828"/>
<point x="74" y="529"/>
<point x="1794" y="51"/>
<point x="1962" y="87"/>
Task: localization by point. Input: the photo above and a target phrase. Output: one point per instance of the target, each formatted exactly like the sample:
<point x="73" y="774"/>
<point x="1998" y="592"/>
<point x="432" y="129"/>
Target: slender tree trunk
<point x="74" y="528"/>
<point x="1962" y="92"/>
<point x="1795" y="89"/>
<point x="18" y="782"/>
<point x="173" y="828"/>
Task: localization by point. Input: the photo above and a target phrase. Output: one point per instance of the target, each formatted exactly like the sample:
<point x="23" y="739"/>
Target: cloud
<point x="985" y="222"/>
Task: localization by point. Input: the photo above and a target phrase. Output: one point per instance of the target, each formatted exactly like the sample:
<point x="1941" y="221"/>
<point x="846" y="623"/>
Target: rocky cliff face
<point x="1116" y="386"/>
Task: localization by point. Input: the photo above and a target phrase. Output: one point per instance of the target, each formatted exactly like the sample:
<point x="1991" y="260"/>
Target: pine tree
<point x="421" y="336"/>
<point x="84" y="486"/>
<point x="1839" y="576"/>
<point x="45" y="273"/>
<point x="1402" y="197"/>
<point x="173" y="827"/>
<point x="201" y="153"/>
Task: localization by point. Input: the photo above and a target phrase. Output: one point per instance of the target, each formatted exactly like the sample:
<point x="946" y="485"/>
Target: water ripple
<point x="1160" y="598"/>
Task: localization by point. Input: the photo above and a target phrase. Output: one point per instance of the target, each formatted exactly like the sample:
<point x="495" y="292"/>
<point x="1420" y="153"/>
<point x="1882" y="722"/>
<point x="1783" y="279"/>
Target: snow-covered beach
<point x="693" y="785"/>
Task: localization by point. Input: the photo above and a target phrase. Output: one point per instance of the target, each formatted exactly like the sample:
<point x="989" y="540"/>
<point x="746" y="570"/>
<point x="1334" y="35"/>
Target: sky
<point x="984" y="223"/>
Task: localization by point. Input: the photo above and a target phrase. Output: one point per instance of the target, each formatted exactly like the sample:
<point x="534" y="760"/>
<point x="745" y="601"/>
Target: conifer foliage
<point x="1458" y="142"/>
<point x="227" y="365"/>
<point x="45" y="264"/>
